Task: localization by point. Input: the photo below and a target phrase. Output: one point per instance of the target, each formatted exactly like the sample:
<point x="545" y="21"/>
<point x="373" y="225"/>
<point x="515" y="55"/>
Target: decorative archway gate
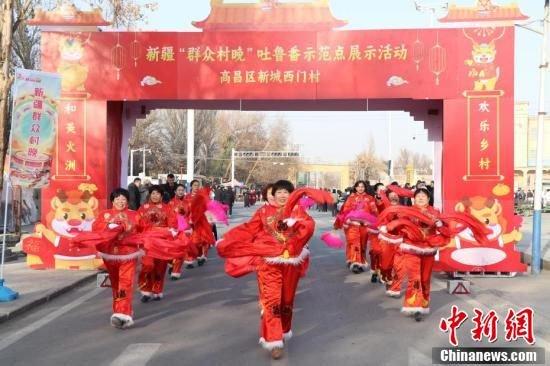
<point x="460" y="82"/>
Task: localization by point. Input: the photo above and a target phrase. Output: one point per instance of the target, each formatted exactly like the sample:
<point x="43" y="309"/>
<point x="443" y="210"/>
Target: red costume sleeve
<point x="100" y="224"/>
<point x="302" y="230"/>
<point x="171" y="217"/>
<point x="346" y="207"/>
<point x="384" y="202"/>
<point x="371" y="206"/>
<point x="249" y="239"/>
<point x="140" y="220"/>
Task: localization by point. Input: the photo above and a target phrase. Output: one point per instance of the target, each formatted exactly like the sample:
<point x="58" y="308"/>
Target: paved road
<point x="208" y="318"/>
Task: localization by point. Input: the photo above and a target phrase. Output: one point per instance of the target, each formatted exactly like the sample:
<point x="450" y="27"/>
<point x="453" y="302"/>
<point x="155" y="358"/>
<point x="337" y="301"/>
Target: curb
<point x="526" y="258"/>
<point x="47" y="297"/>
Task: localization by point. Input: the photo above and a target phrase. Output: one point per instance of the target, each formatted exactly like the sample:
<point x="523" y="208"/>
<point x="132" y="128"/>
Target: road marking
<point x="136" y="354"/>
<point x="16" y="336"/>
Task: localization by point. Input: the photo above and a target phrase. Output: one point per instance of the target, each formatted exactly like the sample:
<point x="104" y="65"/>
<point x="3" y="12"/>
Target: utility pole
<point x="190" y="144"/>
<point x="390" y="170"/>
<point x="132" y="162"/>
<point x="543" y="69"/>
<point x="232" y="168"/>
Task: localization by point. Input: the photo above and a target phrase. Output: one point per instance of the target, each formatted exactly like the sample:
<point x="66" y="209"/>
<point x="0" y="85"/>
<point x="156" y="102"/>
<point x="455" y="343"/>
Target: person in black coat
<point x="135" y="196"/>
<point x="228" y="198"/>
<point x="169" y="188"/>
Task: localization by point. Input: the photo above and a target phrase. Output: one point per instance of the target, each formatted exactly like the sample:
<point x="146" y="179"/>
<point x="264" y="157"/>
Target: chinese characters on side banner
<point x="34" y="120"/>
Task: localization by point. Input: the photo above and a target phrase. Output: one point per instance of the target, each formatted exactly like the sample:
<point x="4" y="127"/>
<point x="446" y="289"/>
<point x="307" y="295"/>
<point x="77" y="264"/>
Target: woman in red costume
<point x="355" y="230"/>
<point x="391" y="259"/>
<point x="375" y="247"/>
<point x="267" y="194"/>
<point x="274" y="244"/>
<point x="154" y="215"/>
<point x="420" y="241"/>
<point x="119" y="258"/>
<point x="181" y="205"/>
<point x="202" y="236"/>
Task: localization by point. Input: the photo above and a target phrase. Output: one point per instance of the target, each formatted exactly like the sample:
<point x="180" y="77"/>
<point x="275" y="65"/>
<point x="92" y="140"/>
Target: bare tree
<point x="366" y="164"/>
<point x="420" y="162"/>
<point x="125" y="13"/>
<point x="165" y="133"/>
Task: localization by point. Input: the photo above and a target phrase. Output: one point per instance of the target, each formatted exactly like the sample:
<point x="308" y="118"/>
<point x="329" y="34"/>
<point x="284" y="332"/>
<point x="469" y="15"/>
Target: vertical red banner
<point x="70" y="158"/>
<point x="483" y="136"/>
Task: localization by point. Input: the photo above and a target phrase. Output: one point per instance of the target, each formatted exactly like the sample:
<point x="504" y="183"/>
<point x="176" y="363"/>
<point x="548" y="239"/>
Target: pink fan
<point x="360" y="215"/>
<point x="332" y="239"/>
<point x="218" y="211"/>
<point x="182" y="223"/>
<point x="306" y="202"/>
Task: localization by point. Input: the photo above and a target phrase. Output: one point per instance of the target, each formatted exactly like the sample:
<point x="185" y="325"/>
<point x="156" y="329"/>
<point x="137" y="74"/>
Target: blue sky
<point x="315" y="131"/>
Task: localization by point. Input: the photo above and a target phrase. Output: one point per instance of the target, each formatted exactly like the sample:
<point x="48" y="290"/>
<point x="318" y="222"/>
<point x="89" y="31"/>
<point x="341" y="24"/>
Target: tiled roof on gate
<point x="483" y="11"/>
<point x="270" y="15"/>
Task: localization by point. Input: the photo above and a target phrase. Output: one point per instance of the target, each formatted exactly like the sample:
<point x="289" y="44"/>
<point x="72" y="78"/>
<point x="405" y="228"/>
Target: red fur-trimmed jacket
<point x="356" y="201"/>
<point x="116" y="250"/>
<point x="432" y="239"/>
<point x="269" y="220"/>
<point x="158" y="215"/>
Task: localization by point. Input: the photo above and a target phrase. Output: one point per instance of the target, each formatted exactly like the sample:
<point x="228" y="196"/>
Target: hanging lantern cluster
<point x="437" y="60"/>
<point x="418" y="52"/>
<point x="117" y="57"/>
<point x="135" y="49"/>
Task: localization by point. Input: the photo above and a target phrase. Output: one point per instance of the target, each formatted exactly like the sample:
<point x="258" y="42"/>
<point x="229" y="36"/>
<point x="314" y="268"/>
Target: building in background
<point x="525" y="148"/>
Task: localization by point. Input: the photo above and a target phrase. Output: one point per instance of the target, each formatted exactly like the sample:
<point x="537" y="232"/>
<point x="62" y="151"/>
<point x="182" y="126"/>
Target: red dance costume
<point x="414" y="259"/>
<point x="357" y="233"/>
<point x="279" y="254"/>
<point x="153" y="217"/>
<point x="120" y="259"/>
<point x="391" y="268"/>
<point x="418" y="259"/>
<point x="202" y="236"/>
<point x="181" y="207"/>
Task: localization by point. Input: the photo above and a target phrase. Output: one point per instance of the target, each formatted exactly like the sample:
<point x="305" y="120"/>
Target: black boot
<point x="145" y="298"/>
<point x="374" y="278"/>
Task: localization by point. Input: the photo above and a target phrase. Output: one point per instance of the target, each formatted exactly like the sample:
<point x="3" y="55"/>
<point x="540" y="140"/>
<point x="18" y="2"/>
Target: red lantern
<point x="135" y="50"/>
<point x="117" y="57"/>
<point x="437" y="60"/>
<point x="418" y="52"/>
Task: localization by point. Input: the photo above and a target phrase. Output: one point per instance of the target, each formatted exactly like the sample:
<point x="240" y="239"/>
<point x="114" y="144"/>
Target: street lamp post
<point x="132" y="159"/>
<point x="431" y="9"/>
<point x="543" y="69"/>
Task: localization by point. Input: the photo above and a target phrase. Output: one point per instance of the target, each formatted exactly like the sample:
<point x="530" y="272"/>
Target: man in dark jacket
<point x="169" y="188"/>
<point x="218" y="193"/>
<point x="228" y="198"/>
<point x="135" y="196"/>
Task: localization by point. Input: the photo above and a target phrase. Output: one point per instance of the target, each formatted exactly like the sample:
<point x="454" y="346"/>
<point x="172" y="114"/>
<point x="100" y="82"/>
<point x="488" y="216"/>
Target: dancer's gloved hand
<point x="174" y="232"/>
<point x="290" y="221"/>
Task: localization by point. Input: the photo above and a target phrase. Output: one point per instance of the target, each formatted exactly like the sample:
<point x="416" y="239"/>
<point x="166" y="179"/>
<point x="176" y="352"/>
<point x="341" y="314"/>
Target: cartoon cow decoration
<point x="71" y="212"/>
<point x="463" y="252"/>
